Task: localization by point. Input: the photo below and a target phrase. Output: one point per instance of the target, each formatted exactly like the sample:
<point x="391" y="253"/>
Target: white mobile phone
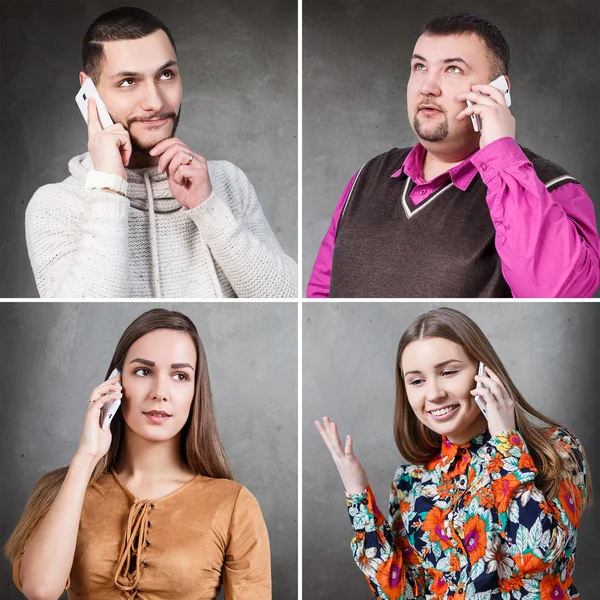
<point x="499" y="83"/>
<point x="480" y="401"/>
<point x="88" y="90"/>
<point x="110" y="408"/>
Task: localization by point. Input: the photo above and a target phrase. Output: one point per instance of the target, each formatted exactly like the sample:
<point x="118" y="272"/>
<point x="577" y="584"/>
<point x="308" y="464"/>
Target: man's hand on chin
<point x="186" y="170"/>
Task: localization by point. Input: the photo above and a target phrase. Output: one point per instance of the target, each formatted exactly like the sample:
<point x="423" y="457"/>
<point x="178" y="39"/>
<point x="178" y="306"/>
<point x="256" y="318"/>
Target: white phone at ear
<point x="499" y="83"/>
<point x="109" y="410"/>
<point x="480" y="401"/>
<point x="88" y="90"/>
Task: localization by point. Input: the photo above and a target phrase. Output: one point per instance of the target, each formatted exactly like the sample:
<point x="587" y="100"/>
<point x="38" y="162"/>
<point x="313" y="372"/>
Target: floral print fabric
<point x="472" y="525"/>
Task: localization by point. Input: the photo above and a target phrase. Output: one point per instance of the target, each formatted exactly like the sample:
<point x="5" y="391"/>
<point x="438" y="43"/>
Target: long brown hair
<point x="419" y="444"/>
<point x="201" y="448"/>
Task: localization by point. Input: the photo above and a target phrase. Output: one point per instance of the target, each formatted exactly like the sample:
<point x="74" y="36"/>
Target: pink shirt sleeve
<point x="318" y="284"/>
<point x="547" y="241"/>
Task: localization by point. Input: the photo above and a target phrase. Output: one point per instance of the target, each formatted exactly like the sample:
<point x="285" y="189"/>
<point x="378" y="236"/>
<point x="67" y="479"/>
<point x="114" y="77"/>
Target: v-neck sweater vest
<point x="444" y="247"/>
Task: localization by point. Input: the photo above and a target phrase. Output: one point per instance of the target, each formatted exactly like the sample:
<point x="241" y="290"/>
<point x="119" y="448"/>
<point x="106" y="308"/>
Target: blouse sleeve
<point x="17" y="564"/>
<point x="381" y="547"/>
<point x="537" y="534"/>
<point x="247" y="569"/>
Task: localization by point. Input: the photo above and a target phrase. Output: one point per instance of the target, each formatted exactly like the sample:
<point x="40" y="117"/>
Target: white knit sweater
<point x="97" y="244"/>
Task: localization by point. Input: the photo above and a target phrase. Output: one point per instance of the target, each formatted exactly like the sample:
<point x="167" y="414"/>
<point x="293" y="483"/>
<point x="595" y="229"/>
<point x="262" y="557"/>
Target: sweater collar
<point x="137" y="188"/>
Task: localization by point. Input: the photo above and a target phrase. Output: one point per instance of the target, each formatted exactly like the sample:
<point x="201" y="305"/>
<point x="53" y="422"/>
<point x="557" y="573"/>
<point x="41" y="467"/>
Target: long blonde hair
<point x="419" y="444"/>
<point x="201" y="448"/>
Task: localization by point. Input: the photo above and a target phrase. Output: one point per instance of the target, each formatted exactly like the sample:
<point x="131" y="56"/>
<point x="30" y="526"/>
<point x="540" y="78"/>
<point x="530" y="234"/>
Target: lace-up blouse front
<point x="207" y="534"/>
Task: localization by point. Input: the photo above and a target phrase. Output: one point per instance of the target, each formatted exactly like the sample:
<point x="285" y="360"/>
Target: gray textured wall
<point x="238" y="62"/>
<point x="356" y="65"/>
<point x="52" y="355"/>
<point x="550" y="350"/>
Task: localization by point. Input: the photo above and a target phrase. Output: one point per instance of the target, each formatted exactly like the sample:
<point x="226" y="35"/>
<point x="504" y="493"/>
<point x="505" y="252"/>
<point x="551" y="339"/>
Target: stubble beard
<point x="140" y="147"/>
<point x="438" y="134"/>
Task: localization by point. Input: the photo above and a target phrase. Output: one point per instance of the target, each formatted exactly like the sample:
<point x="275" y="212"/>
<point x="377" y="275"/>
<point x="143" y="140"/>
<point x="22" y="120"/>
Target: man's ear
<point x="507" y="82"/>
<point x="82" y="77"/>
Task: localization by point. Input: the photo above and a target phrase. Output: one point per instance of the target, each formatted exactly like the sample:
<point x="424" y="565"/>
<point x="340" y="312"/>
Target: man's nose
<point x="152" y="100"/>
<point x="430" y="85"/>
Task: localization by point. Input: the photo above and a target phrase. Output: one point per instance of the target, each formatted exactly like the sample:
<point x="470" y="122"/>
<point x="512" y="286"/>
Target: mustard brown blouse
<point x="207" y="534"/>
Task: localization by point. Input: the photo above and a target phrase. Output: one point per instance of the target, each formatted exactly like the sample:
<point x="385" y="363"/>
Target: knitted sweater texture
<point x="96" y="244"/>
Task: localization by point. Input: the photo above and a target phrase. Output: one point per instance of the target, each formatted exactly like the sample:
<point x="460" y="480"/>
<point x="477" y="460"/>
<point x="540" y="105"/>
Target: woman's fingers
<point x="494" y="384"/>
<point x="487" y="395"/>
<point x="329" y="433"/>
<point x="104" y="399"/>
<point x="348" y="450"/>
<point x="110" y="385"/>
<point x="324" y="435"/>
<point x="103" y="390"/>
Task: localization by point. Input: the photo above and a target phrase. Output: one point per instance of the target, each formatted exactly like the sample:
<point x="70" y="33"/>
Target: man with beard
<point x="142" y="214"/>
<point x="463" y="213"/>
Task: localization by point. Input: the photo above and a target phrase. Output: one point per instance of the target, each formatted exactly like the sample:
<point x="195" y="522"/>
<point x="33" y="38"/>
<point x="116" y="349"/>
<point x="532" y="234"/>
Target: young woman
<point x="147" y="508"/>
<point x="489" y="507"/>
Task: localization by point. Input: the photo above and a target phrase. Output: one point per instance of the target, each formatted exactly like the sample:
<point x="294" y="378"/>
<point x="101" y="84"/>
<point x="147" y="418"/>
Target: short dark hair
<point x="461" y="23"/>
<point x="123" y="23"/>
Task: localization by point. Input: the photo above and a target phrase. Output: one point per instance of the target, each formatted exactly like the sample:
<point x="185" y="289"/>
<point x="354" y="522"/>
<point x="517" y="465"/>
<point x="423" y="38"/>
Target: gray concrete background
<point x="238" y="62"/>
<point x="550" y="349"/>
<point x="356" y="66"/>
<point x="52" y="355"/>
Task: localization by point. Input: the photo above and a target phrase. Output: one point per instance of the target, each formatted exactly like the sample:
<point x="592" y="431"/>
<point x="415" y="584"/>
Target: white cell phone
<point x="499" y="83"/>
<point x="480" y="401"/>
<point x="109" y="410"/>
<point x="88" y="90"/>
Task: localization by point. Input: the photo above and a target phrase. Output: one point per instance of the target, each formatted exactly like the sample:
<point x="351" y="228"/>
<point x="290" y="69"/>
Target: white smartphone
<point x="109" y="410"/>
<point x="499" y="83"/>
<point x="88" y="90"/>
<point x="480" y="401"/>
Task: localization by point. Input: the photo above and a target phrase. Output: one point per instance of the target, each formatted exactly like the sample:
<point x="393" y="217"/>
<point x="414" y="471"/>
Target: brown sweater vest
<point x="386" y="247"/>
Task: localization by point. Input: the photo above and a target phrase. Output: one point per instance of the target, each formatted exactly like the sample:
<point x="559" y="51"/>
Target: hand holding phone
<point x="110" y="408"/>
<point x="109" y="144"/>
<point x="95" y="439"/>
<point x="500" y="84"/>
<point x="88" y="90"/>
<point x="480" y="401"/>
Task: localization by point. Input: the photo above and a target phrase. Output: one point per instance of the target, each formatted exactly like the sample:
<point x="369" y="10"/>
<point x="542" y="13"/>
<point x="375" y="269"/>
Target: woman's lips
<point x="157" y="418"/>
<point x="445" y="417"/>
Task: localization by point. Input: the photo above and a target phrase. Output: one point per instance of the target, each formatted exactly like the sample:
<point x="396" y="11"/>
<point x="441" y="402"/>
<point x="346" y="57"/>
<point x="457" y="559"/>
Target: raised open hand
<point x="353" y="474"/>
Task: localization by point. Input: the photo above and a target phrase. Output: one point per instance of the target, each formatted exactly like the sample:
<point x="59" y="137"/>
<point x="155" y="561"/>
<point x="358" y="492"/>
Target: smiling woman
<point x="490" y="505"/>
<point x="123" y="520"/>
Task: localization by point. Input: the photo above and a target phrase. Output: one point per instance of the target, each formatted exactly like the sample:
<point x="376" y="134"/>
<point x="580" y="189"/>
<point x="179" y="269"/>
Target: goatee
<point x="437" y="135"/>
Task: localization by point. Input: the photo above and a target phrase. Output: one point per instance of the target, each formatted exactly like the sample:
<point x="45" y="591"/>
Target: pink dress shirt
<point x="547" y="241"/>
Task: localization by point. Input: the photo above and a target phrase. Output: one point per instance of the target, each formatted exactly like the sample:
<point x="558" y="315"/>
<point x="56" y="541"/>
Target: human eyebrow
<point x="125" y="74"/>
<point x="438" y="366"/>
<point x="456" y="59"/>
<point x="169" y="63"/>
<point x="418" y="57"/>
<point x="182" y="366"/>
<point x="144" y="361"/>
<point x="447" y="362"/>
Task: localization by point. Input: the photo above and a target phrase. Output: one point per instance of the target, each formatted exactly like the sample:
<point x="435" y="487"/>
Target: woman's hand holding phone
<point x="353" y="474"/>
<point x="110" y="148"/>
<point x="95" y="442"/>
<point x="499" y="405"/>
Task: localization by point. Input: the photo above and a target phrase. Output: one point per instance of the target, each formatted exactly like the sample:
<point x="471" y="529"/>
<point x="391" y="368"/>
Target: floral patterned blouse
<point x="472" y="525"/>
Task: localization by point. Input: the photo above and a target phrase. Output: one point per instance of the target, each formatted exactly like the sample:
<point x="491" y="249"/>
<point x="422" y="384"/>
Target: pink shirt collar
<point x="461" y="175"/>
